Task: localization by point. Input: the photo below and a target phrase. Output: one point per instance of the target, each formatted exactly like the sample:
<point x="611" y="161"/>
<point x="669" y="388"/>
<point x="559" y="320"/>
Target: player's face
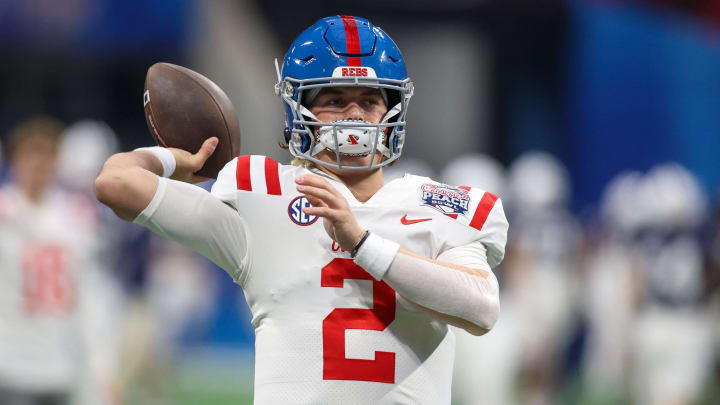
<point x="349" y="103"/>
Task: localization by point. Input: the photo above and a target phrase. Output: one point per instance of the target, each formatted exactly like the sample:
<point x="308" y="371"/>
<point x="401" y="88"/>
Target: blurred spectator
<point x="48" y="241"/>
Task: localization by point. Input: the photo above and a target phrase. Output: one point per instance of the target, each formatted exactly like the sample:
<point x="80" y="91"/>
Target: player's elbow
<point x="108" y="186"/>
<point x="486" y="315"/>
<point x="112" y="188"/>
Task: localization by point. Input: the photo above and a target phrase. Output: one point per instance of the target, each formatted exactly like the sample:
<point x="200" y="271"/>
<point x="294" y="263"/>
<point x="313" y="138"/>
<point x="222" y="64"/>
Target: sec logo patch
<point x="297" y="215"/>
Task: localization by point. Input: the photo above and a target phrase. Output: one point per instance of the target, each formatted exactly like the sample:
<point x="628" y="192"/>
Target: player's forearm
<point x="463" y="296"/>
<point x="136" y="159"/>
<point x="457" y="288"/>
<point x="127" y="182"/>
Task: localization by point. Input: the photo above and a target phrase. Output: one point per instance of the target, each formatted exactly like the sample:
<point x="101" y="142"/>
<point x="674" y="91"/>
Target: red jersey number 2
<point x="335" y="365"/>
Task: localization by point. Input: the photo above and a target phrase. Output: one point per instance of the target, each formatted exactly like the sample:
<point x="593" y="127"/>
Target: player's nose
<point x="354" y="112"/>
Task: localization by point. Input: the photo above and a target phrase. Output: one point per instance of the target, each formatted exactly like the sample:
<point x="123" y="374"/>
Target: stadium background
<point x="604" y="86"/>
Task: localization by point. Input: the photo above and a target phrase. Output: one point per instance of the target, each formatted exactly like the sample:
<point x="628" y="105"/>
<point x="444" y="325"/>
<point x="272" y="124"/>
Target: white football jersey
<point x="43" y="247"/>
<point x="326" y="331"/>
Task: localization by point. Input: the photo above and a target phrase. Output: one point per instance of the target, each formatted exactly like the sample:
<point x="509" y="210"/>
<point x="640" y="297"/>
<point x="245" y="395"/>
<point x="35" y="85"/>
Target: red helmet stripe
<point x="352" y="39"/>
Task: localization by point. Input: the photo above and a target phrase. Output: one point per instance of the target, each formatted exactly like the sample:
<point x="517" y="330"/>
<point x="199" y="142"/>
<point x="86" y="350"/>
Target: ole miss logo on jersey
<point x="296" y="213"/>
<point x="446" y="199"/>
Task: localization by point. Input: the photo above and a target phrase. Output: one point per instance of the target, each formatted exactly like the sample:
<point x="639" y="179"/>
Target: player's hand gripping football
<point x="328" y="203"/>
<point x="187" y="164"/>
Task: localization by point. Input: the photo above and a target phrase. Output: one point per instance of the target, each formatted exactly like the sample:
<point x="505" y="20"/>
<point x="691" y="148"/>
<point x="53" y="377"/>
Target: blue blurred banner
<point x="95" y="26"/>
<point x="643" y="88"/>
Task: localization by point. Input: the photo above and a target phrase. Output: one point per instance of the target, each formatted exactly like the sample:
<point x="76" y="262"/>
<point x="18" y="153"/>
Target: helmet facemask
<point x="346" y="138"/>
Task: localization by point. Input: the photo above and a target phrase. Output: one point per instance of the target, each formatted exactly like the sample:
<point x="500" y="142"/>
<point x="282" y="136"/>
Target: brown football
<point x="184" y="108"/>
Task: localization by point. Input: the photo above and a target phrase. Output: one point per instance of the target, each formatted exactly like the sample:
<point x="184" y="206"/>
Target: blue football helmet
<point x="344" y="51"/>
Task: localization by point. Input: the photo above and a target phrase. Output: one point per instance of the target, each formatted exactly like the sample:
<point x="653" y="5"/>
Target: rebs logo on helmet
<point x="297" y="215"/>
<point x="354" y="72"/>
<point x="350" y="71"/>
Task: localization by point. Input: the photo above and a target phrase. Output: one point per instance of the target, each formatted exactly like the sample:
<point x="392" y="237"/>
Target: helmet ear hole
<point x="393" y="100"/>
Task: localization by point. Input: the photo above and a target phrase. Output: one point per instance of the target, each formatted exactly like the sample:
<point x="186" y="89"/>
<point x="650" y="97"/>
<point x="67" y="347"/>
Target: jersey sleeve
<point x="487" y="217"/>
<point x="248" y="173"/>
<point x="224" y="188"/>
<point x="196" y="219"/>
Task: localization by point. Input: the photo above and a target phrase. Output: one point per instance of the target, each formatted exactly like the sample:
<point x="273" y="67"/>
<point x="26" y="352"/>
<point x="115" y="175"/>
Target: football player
<point x="48" y="242"/>
<point x="352" y="283"/>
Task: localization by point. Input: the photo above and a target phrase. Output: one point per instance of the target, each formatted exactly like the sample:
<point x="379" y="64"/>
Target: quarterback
<point x="352" y="283"/>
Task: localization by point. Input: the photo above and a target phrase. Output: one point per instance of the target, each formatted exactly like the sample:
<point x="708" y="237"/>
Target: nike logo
<point x="406" y="221"/>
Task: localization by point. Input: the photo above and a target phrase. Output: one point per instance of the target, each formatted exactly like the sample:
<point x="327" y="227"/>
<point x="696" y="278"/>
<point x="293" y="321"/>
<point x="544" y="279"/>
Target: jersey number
<point x="335" y="365"/>
<point x="47" y="286"/>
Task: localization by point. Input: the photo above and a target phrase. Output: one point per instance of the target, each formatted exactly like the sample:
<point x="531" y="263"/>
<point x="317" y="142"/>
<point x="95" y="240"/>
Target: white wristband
<point x="376" y="255"/>
<point x="165" y="157"/>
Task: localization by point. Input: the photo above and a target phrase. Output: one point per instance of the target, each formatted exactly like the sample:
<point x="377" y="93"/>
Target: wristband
<point x="357" y="247"/>
<point x="375" y="255"/>
<point x="166" y="158"/>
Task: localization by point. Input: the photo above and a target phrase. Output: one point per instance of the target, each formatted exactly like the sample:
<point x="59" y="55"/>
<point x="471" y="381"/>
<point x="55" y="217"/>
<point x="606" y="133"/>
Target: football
<point x="184" y="108"/>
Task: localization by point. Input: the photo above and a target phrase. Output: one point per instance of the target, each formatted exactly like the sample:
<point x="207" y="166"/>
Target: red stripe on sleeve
<point x="242" y="173"/>
<point x="272" y="178"/>
<point x="352" y="39"/>
<point x="483" y="210"/>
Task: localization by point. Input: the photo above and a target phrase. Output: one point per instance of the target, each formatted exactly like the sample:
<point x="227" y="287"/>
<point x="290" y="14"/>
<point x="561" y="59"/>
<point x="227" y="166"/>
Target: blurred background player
<point x="131" y="328"/>
<point x="672" y="343"/>
<point x="84" y="146"/>
<point x="610" y="276"/>
<point x="47" y="240"/>
<point x="541" y="274"/>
